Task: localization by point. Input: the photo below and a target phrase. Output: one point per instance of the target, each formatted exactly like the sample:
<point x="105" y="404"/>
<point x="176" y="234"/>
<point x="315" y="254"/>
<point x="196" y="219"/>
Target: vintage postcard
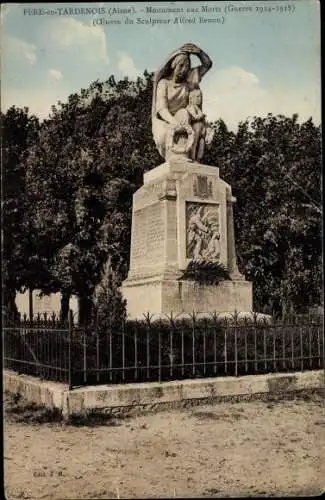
<point x="162" y="283"/>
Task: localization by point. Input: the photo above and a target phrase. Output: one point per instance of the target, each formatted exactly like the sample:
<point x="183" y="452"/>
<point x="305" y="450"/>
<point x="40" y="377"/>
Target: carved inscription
<point x="138" y="247"/>
<point x="147" y="235"/>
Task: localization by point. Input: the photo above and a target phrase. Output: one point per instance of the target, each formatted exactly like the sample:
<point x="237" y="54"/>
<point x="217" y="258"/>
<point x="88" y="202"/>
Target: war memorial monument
<point x="184" y="211"/>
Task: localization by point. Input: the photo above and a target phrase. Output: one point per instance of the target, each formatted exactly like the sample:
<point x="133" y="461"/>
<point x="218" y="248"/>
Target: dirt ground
<point x="229" y="449"/>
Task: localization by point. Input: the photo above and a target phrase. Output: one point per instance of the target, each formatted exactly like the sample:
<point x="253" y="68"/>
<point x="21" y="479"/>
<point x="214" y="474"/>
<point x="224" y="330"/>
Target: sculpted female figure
<point x="173" y="126"/>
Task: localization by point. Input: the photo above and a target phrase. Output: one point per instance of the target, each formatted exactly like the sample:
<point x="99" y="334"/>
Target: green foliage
<point x="89" y="159"/>
<point x="18" y="132"/>
<point x="274" y="167"/>
<point x="110" y="307"/>
<point x="205" y="272"/>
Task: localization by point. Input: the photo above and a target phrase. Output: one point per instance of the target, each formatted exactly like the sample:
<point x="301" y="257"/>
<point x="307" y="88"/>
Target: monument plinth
<point x="183" y="211"/>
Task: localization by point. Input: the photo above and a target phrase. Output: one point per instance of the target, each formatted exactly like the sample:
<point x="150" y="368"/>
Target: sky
<point x="263" y="62"/>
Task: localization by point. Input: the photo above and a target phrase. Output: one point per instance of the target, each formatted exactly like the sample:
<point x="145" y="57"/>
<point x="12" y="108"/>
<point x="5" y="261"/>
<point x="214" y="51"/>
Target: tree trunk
<point x="30" y="304"/>
<point x="65" y="299"/>
<point x="85" y="310"/>
<point x="9" y="303"/>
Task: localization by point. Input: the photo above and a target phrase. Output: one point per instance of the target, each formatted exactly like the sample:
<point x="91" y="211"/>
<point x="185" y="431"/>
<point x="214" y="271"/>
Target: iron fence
<point x="39" y="347"/>
<point x="140" y="351"/>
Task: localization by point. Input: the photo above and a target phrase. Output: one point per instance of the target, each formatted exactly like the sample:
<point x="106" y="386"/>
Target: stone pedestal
<point x="177" y="202"/>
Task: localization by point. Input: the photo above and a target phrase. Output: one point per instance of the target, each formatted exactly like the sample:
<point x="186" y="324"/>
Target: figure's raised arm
<point x="190" y="48"/>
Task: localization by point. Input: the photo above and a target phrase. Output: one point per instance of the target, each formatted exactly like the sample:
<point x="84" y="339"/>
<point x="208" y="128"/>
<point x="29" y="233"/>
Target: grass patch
<point x="316" y="396"/>
<point x="94" y="419"/>
<point x="209" y="415"/>
<point x="20" y="410"/>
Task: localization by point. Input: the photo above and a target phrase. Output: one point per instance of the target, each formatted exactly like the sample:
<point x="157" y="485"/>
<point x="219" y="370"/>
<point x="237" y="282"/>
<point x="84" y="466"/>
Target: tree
<point x="110" y="307"/>
<point x="19" y="130"/>
<point x="275" y="174"/>
<point x="220" y="152"/>
<point x="89" y="159"/>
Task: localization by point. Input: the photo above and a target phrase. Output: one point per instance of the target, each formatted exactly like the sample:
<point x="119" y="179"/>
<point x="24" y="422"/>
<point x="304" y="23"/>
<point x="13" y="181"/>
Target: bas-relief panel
<point x="202" y="231"/>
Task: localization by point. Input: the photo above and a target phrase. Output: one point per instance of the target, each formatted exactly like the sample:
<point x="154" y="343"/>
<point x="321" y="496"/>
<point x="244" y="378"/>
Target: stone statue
<point x="178" y="123"/>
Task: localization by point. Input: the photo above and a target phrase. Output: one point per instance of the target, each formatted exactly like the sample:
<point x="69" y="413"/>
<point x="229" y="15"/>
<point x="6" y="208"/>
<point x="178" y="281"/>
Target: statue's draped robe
<point x="170" y="95"/>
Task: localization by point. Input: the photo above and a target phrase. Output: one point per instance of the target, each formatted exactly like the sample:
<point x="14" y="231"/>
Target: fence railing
<point x="140" y="351"/>
<point x="39" y="347"/>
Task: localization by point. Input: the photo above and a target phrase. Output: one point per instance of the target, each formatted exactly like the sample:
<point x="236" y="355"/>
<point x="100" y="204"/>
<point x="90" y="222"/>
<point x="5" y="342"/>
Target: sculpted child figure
<point x="197" y="119"/>
<point x="192" y="121"/>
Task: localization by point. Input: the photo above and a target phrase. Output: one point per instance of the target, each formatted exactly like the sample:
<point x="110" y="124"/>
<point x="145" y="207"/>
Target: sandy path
<point x="223" y="450"/>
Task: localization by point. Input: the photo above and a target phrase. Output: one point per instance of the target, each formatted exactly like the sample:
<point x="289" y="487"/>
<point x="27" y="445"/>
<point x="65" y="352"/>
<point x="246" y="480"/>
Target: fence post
<point x="284" y="329"/>
<point x="292" y="347"/>
<point x="23" y="334"/>
<point x="255" y="343"/>
<point x="171" y="359"/>
<point x="84" y="354"/>
<point x="70" y="328"/>
<point x="183" y="357"/>
<point x="148" y="350"/>
<point x="159" y="355"/>
<point x="97" y="347"/>
<point x="225" y="348"/>
<point x="110" y="348"/>
<point x="30" y="303"/>
<point x="309" y="344"/>
<point x="236" y="350"/>
<point x="245" y="339"/>
<point x="135" y="353"/>
<point x="204" y="346"/>
<point x="301" y="348"/>
<point x="264" y="346"/>
<point x="215" y="348"/>
<point x="323" y="347"/>
<point x="274" y="326"/>
<point x="123" y="350"/>
<point x="193" y="343"/>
